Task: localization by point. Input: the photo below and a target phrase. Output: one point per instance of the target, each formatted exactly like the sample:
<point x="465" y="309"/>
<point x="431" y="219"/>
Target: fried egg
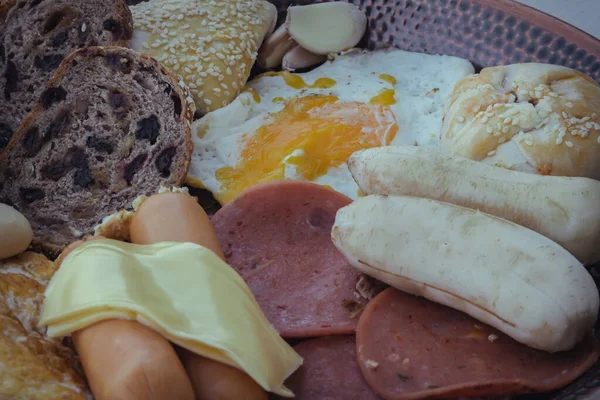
<point x="305" y="126"/>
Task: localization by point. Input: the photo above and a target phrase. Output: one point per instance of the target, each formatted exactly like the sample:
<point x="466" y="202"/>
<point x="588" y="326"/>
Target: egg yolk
<point x="255" y="95"/>
<point x="312" y="134"/>
<point x="385" y="98"/>
<point x="296" y="81"/>
<point x="388" y="78"/>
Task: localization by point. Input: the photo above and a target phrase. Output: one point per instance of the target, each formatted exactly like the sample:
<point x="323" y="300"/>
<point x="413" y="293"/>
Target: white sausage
<point x="500" y="273"/>
<point x="566" y="210"/>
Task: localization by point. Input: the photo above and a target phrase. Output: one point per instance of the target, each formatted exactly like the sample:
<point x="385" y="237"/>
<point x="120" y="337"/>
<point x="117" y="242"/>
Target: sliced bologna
<point x="277" y="236"/>
<point x="411" y="348"/>
<point x="329" y="371"/>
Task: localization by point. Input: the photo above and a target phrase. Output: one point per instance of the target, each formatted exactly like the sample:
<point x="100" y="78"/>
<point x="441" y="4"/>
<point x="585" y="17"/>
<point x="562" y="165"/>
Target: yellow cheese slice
<point x="183" y="291"/>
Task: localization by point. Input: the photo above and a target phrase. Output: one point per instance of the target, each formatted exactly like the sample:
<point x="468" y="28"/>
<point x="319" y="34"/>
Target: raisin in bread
<point x="37" y="35"/>
<point x="110" y="126"/>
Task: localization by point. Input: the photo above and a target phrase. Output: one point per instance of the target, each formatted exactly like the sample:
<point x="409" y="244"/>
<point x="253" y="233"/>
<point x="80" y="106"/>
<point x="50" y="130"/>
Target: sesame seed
<point x="569" y="144"/>
<point x="484" y="119"/>
<point x="207" y="102"/>
<point x="505" y="129"/>
<point x="476" y="109"/>
<point x="497" y="133"/>
<point x="516" y="121"/>
<point x="489" y="130"/>
<point x="83" y="27"/>
<point x="559" y="140"/>
<point x="492" y="338"/>
<point x="569" y="104"/>
<point x="508" y="120"/>
<point x="491" y="153"/>
<point x="461" y="118"/>
<point x="497" y="105"/>
<point x="538" y="94"/>
<point x="564" y="115"/>
<point x="502" y="140"/>
<point x="489" y="108"/>
<point x="529" y="142"/>
<point x="512" y="98"/>
<point x="216" y="90"/>
<point x="552" y="94"/>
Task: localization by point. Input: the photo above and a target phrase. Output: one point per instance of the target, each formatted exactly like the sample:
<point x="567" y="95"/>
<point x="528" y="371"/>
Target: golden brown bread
<point x="212" y="44"/>
<point x="535" y="118"/>
<point x="32" y="366"/>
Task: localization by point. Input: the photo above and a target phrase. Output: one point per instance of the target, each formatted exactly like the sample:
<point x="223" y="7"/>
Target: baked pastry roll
<point x="536" y="118"/>
<point x="212" y="44"/>
<point x="32" y="366"/>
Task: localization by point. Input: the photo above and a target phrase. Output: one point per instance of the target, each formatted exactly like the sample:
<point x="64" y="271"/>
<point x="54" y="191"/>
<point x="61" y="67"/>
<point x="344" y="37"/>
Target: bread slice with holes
<point x="111" y="125"/>
<point x="37" y="35"/>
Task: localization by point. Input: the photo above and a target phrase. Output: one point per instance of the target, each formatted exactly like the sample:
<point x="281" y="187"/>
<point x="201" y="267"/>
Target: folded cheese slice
<point x="181" y="290"/>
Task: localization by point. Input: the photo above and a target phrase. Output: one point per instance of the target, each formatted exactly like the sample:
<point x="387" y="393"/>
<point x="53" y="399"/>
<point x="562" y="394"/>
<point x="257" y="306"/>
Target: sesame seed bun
<point x="535" y="118"/>
<point x="212" y="45"/>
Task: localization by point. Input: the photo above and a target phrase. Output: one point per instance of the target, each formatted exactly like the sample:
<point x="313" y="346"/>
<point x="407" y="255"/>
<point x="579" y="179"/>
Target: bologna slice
<point x="411" y="348"/>
<point x="329" y="371"/>
<point x="277" y="237"/>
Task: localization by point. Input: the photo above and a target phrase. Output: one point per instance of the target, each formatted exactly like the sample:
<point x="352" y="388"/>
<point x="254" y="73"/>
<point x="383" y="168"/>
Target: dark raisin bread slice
<point x="110" y="126"/>
<point x="38" y="34"/>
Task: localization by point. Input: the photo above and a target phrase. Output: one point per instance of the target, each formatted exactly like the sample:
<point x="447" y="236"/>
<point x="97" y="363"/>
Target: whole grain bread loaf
<point x="111" y="125"/>
<point x="37" y="35"/>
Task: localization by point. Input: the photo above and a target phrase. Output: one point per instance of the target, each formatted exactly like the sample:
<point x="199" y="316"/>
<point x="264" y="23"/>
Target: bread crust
<point x="34" y="52"/>
<point x="34" y="366"/>
<point x="178" y="171"/>
<point x="536" y="118"/>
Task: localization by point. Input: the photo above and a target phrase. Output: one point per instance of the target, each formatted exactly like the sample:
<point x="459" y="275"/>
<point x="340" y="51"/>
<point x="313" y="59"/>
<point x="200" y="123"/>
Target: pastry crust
<point x="32" y="366"/>
<point x="535" y="118"/>
<point x="212" y="44"/>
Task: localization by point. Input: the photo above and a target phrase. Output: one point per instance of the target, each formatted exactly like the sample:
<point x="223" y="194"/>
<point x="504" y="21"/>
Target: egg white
<point x="423" y="83"/>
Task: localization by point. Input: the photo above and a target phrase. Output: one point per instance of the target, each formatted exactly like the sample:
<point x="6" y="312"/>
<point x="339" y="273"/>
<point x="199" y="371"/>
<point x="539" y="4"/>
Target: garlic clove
<point x="299" y="57"/>
<point x="274" y="48"/>
<point x="326" y="27"/>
